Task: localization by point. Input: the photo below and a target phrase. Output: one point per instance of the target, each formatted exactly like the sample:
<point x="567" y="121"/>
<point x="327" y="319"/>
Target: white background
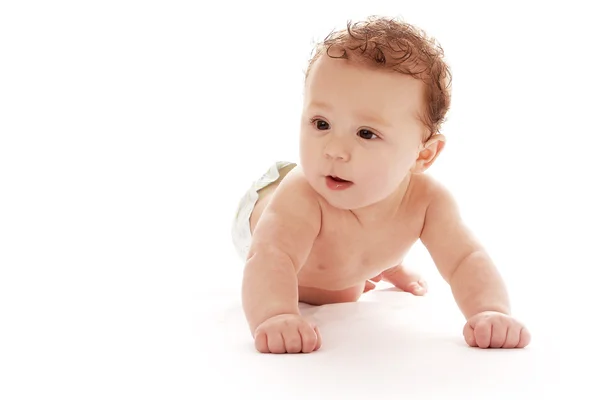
<point x="129" y="130"/>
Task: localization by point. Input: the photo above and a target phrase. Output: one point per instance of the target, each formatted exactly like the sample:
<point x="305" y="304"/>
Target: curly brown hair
<point x="393" y="45"/>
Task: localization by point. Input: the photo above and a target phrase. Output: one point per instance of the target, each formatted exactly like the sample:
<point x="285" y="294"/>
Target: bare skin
<point x="332" y="273"/>
<point x="353" y="208"/>
<point x="343" y="262"/>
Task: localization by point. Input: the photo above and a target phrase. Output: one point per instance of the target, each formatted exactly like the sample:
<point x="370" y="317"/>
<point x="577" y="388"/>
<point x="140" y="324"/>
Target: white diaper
<point x="241" y="225"/>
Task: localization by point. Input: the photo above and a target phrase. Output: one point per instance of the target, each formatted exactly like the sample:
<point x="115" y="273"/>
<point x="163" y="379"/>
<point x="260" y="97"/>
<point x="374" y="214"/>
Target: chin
<point x="346" y="200"/>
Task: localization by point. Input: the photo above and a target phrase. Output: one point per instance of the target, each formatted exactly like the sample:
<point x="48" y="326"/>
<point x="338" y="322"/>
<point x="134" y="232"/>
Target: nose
<point x="336" y="149"/>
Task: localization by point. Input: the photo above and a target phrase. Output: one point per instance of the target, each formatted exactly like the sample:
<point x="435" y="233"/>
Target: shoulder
<point x="295" y="191"/>
<point x="442" y="212"/>
<point x="428" y="183"/>
<point x="292" y="219"/>
<point x="432" y="201"/>
<point x="426" y="190"/>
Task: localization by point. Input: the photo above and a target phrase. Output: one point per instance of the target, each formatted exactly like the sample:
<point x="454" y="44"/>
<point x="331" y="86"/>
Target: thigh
<point x="318" y="297"/>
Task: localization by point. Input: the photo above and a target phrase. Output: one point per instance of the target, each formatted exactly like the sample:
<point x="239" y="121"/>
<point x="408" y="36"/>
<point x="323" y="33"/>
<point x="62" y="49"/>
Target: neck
<point x="385" y="209"/>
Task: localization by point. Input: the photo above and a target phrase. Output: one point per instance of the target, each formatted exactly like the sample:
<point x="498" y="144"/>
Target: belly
<point x="335" y="280"/>
<point x="335" y="269"/>
<point x="334" y="274"/>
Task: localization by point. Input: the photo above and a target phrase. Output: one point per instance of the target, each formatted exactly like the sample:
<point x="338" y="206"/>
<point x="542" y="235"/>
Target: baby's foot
<point x="405" y="280"/>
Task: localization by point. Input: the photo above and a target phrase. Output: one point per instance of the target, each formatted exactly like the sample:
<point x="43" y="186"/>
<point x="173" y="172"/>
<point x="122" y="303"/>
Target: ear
<point x="430" y="150"/>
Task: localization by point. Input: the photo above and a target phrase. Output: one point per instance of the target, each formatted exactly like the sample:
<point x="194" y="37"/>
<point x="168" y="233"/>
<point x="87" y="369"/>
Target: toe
<point x="368" y="286"/>
<point x="417" y="288"/>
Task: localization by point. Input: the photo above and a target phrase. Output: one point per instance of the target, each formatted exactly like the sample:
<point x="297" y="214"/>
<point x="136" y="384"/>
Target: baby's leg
<point x="318" y="297"/>
<point x="405" y="280"/>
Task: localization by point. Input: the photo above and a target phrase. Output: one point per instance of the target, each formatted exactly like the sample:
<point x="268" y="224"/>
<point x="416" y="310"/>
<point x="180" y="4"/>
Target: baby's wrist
<point x="497" y="308"/>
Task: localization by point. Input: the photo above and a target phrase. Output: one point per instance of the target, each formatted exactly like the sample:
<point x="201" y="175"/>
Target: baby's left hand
<point x="496" y="330"/>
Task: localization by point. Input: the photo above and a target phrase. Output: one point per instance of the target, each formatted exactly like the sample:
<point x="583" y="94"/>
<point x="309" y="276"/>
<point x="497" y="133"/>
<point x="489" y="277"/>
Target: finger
<point x="469" y="335"/>
<point x="498" y="336"/>
<point x="308" y="337"/>
<point x="260" y="342"/>
<point x="512" y="337"/>
<point x="293" y="340"/>
<point x="275" y="342"/>
<point x="319" y="340"/>
<point x="525" y="338"/>
<point x="483" y="334"/>
<point x="377" y="278"/>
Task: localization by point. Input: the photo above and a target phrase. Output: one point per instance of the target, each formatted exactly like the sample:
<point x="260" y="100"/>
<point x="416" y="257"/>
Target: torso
<point x="347" y="253"/>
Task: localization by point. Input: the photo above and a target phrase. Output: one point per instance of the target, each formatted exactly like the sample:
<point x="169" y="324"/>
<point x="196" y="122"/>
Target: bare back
<point x="347" y="252"/>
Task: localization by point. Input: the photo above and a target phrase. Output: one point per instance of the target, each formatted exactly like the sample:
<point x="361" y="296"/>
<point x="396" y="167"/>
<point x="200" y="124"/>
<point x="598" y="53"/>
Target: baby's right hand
<point x="287" y="333"/>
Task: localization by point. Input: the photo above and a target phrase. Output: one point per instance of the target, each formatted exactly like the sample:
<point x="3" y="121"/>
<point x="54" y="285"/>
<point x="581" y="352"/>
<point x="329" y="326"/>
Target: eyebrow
<point x="319" y="104"/>
<point x="363" y="116"/>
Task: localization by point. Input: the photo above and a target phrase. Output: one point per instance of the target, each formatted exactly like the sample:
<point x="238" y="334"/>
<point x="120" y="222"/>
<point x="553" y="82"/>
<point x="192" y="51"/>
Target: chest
<point x="344" y="244"/>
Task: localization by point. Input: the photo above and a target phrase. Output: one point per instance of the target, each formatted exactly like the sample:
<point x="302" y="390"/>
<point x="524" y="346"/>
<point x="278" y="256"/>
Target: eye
<point x="320" y="124"/>
<point x="366" y="134"/>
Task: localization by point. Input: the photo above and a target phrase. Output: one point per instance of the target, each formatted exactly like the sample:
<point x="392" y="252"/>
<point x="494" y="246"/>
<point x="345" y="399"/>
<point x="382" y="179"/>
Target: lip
<point x="335" y="185"/>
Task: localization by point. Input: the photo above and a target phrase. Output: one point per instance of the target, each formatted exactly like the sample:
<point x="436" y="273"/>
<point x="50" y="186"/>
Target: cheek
<point x="308" y="152"/>
<point x="310" y="143"/>
<point x="374" y="173"/>
<point x="304" y="145"/>
<point x="386" y="170"/>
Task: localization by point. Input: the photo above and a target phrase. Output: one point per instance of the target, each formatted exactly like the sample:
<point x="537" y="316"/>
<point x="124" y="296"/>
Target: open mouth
<point x="337" y="183"/>
<point x="338" y="179"/>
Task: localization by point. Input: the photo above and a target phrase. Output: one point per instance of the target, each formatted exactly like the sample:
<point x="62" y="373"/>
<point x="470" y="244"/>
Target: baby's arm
<point x="476" y="284"/>
<point x="281" y="243"/>
<point x="462" y="261"/>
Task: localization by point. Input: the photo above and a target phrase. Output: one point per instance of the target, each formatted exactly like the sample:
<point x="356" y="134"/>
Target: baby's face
<point x="360" y="125"/>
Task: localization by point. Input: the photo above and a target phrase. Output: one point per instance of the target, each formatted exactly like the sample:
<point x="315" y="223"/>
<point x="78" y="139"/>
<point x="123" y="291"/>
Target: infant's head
<point x="376" y="95"/>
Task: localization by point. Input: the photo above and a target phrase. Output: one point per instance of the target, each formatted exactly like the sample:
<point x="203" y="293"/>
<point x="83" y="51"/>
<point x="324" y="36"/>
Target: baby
<point x="322" y="231"/>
